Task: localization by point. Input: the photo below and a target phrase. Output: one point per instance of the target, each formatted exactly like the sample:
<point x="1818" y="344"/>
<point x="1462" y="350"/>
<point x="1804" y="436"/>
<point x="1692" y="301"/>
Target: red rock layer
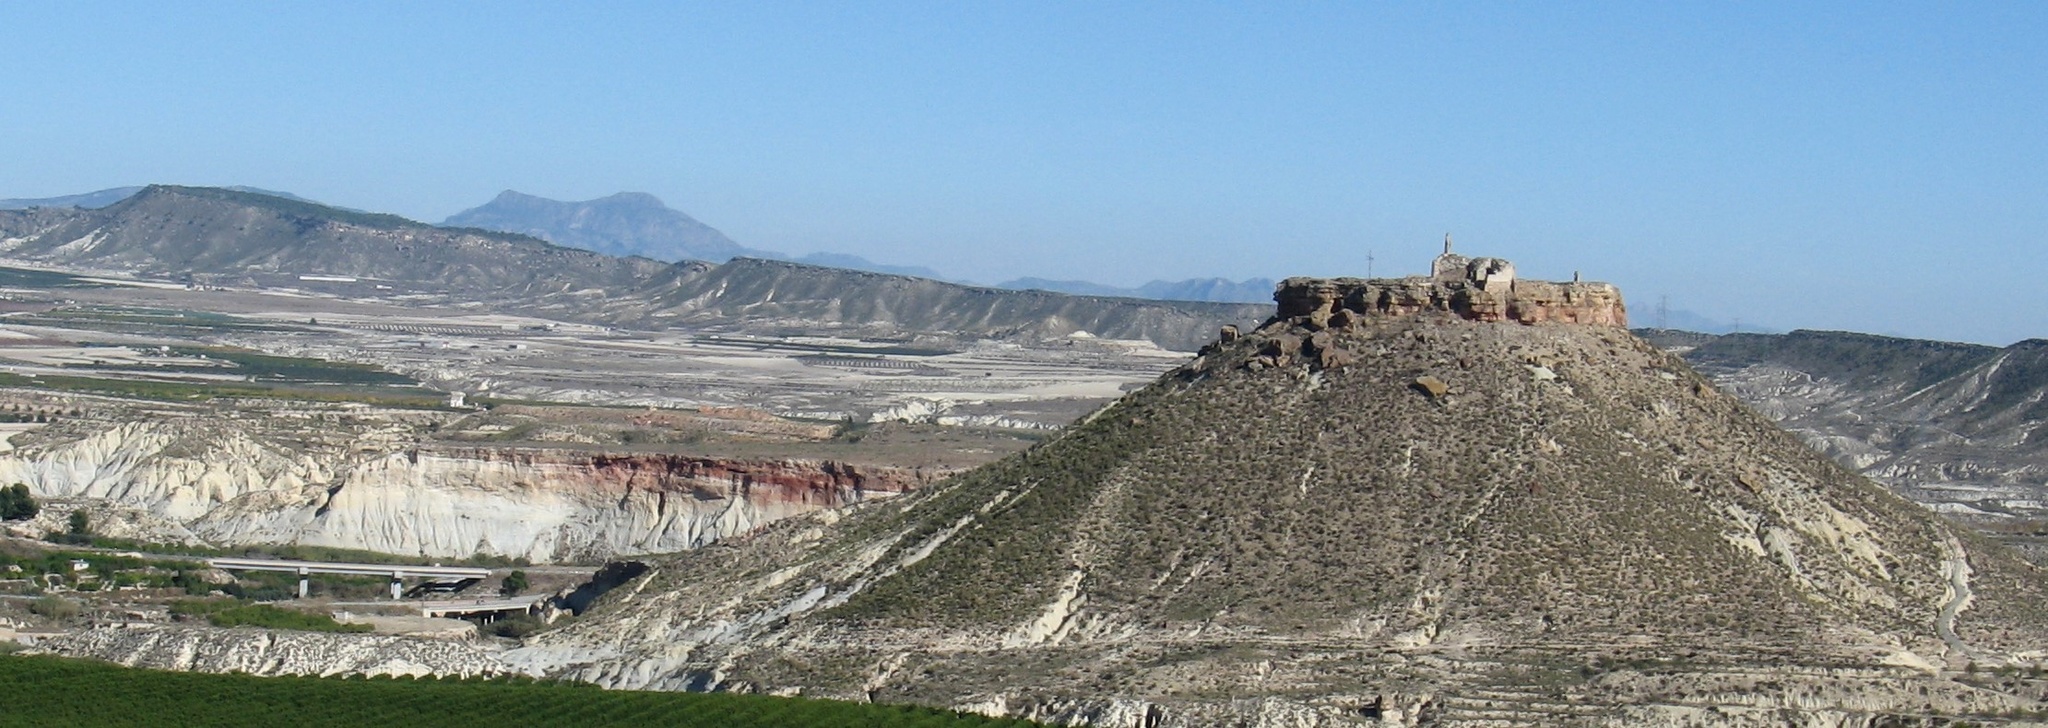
<point x="821" y="483"/>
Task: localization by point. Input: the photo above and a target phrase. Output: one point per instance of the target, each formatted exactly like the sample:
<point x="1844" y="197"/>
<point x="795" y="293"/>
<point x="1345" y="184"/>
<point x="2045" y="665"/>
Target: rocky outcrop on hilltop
<point x="229" y="483"/>
<point x="1573" y="527"/>
<point x="1477" y="289"/>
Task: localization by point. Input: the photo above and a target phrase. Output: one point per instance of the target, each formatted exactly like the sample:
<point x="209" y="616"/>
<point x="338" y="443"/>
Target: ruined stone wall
<point x="1488" y="292"/>
<point x="1575" y="302"/>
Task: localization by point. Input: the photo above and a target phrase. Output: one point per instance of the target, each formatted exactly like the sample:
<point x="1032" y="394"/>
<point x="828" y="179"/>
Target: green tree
<point x="514" y="583"/>
<point x="24" y="504"/>
<point x="17" y="503"/>
<point x="191" y="583"/>
<point x="81" y="524"/>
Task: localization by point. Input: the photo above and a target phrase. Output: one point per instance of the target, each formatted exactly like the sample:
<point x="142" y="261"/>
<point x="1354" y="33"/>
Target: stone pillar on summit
<point x="1449" y="267"/>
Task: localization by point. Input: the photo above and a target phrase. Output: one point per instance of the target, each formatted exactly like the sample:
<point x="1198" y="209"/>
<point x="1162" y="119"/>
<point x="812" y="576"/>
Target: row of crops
<point x="49" y="691"/>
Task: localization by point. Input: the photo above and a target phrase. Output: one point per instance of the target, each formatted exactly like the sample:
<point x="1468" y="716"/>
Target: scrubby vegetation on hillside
<point x="1298" y="507"/>
<point x="230" y="613"/>
<point x="1612" y="497"/>
<point x="1861" y="359"/>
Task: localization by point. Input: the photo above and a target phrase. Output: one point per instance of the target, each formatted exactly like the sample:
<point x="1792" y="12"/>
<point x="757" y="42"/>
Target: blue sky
<point x="1872" y="167"/>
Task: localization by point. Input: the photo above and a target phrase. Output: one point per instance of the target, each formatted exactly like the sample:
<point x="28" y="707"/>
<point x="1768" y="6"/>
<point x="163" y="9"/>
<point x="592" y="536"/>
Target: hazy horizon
<point x="1825" y="167"/>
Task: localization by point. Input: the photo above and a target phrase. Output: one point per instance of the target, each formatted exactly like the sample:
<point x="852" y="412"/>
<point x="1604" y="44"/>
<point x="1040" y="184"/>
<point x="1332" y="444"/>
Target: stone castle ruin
<point x="1477" y="289"/>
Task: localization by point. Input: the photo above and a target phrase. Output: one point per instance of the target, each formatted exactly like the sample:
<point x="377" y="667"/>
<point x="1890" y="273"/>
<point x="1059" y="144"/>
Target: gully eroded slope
<point x="1956" y="426"/>
<point x="371" y="487"/>
<point x="1358" y="515"/>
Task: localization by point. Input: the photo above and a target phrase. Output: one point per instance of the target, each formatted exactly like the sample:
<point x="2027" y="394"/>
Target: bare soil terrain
<point x="129" y="330"/>
<point x="1392" y="521"/>
<point x="1958" y="427"/>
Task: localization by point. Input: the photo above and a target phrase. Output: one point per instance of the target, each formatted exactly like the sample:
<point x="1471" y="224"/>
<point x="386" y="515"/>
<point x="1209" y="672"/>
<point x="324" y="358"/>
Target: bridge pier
<point x="396" y="572"/>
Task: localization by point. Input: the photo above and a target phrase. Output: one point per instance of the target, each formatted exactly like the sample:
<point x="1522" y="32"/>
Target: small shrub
<point x="517" y="627"/>
<point x="55" y="608"/>
<point x="514" y="583"/>
<point x="70" y="539"/>
<point x="191" y="583"/>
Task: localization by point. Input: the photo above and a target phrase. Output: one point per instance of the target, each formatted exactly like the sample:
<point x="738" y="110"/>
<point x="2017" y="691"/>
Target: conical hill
<point x="1340" y="520"/>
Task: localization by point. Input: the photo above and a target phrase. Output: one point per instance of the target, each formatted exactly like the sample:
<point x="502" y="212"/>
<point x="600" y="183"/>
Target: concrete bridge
<point x="398" y="572"/>
<point x="490" y="610"/>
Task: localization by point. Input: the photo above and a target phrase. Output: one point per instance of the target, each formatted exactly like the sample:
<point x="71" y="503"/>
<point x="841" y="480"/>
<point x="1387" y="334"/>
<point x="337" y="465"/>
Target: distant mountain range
<point x="628" y="223"/>
<point x="637" y="223"/>
<point x="111" y="195"/>
<point x="793" y="296"/>
<point x="1682" y="320"/>
<point x="232" y="238"/>
<point x="1250" y="290"/>
<point x="86" y="201"/>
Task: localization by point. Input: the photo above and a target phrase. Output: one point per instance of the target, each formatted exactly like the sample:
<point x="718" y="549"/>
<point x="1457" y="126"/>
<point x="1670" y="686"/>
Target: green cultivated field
<point x="27" y="278"/>
<point x="408" y="397"/>
<point x="46" y="691"/>
<point x="265" y="376"/>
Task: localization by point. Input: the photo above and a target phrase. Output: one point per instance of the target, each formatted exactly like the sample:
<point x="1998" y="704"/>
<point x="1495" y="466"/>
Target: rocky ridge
<point x="371" y="486"/>
<point x="277" y="652"/>
<point x="1956" y="426"/>
<point x="221" y="238"/>
<point x="1437" y="516"/>
<point x="233" y="237"/>
<point x="793" y="297"/>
